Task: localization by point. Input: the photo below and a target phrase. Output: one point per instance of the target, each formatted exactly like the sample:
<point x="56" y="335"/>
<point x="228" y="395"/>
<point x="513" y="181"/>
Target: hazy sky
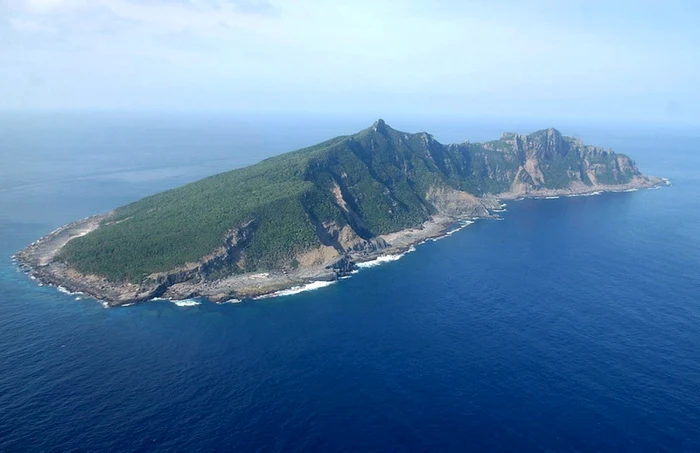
<point x="625" y="59"/>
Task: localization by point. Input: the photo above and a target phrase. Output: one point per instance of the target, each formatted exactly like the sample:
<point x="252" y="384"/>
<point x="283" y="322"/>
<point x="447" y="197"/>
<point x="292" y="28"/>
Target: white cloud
<point x="29" y="26"/>
<point x="45" y="6"/>
<point x="272" y="52"/>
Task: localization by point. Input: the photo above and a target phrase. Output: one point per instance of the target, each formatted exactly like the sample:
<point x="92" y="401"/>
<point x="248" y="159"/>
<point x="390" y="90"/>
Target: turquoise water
<point x="572" y="324"/>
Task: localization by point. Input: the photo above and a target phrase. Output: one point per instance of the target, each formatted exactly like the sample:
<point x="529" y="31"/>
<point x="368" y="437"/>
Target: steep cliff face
<point x="320" y="204"/>
<point x="547" y="160"/>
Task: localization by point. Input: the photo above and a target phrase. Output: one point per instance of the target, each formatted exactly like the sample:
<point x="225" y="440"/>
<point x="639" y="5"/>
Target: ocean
<point x="573" y="324"/>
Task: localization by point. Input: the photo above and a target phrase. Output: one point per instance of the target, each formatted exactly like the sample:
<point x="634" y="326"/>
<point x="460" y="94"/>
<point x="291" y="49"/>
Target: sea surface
<point x="573" y="324"/>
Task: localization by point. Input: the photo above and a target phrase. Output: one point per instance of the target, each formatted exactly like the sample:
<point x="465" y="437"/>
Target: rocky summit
<point x="312" y="214"/>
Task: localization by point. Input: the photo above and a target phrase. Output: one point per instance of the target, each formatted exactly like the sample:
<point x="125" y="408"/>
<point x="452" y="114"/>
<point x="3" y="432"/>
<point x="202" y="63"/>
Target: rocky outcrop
<point x="456" y="203"/>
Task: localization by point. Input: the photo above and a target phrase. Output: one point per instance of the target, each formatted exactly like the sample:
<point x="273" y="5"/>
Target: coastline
<point x="37" y="259"/>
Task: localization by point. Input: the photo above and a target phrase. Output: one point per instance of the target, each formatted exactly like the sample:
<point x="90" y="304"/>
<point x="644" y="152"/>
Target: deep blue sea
<point x="571" y="325"/>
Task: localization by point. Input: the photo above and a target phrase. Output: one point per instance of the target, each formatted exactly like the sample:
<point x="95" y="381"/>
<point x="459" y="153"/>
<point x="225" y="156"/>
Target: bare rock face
<point x="456" y="203"/>
<point x="343" y="266"/>
<point x="549" y="161"/>
<point x="321" y="255"/>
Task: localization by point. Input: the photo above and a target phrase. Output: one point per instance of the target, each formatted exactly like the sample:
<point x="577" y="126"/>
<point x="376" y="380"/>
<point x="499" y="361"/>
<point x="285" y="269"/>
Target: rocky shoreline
<point x="37" y="259"/>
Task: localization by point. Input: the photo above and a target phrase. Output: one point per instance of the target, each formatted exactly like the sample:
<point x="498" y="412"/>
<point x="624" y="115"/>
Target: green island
<point x="312" y="214"/>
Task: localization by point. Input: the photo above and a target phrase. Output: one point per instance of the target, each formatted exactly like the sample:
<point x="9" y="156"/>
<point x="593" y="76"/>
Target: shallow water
<point x="571" y="325"/>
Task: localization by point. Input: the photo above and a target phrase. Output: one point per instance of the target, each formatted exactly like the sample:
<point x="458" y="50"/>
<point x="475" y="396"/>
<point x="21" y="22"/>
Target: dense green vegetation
<point x="182" y="225"/>
<point x="383" y="176"/>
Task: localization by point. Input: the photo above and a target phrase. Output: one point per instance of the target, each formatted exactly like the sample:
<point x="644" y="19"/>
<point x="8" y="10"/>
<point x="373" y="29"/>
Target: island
<point x="313" y="215"/>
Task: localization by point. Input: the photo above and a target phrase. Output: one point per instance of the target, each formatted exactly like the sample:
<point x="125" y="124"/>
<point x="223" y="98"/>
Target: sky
<point x="621" y="59"/>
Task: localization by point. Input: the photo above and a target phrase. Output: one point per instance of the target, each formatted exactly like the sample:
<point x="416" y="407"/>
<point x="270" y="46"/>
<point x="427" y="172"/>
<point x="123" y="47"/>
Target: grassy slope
<point x="382" y="173"/>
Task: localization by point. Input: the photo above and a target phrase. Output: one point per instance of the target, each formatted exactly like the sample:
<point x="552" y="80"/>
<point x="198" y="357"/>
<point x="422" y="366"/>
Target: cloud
<point x="260" y="7"/>
<point x="29" y="26"/>
<point x="232" y="53"/>
<point x="253" y="7"/>
<point x="45" y="6"/>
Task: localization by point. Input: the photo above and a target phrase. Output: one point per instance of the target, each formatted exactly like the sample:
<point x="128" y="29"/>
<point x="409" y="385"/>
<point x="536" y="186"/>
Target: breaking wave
<point x="297" y="289"/>
<point x="186" y="302"/>
<point x="384" y="259"/>
<point x="179" y="303"/>
<point x="587" y="194"/>
<point x="379" y="261"/>
<point x="68" y="292"/>
<point x="230" y="301"/>
<point x="462" y="224"/>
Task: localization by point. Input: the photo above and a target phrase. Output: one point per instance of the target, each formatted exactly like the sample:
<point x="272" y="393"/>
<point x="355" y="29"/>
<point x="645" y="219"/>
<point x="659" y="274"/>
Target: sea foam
<point x="588" y="194"/>
<point x="230" y="301"/>
<point x="66" y="291"/>
<point x="186" y="302"/>
<point x="178" y="302"/>
<point x="384" y="259"/>
<point x="462" y="224"/>
<point x="297" y="289"/>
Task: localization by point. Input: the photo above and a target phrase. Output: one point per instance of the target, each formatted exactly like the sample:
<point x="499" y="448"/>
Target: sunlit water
<point x="573" y="324"/>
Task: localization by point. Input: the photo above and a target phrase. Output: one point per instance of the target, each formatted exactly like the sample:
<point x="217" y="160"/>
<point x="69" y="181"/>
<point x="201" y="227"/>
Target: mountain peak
<point x="546" y="134"/>
<point x="380" y="126"/>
